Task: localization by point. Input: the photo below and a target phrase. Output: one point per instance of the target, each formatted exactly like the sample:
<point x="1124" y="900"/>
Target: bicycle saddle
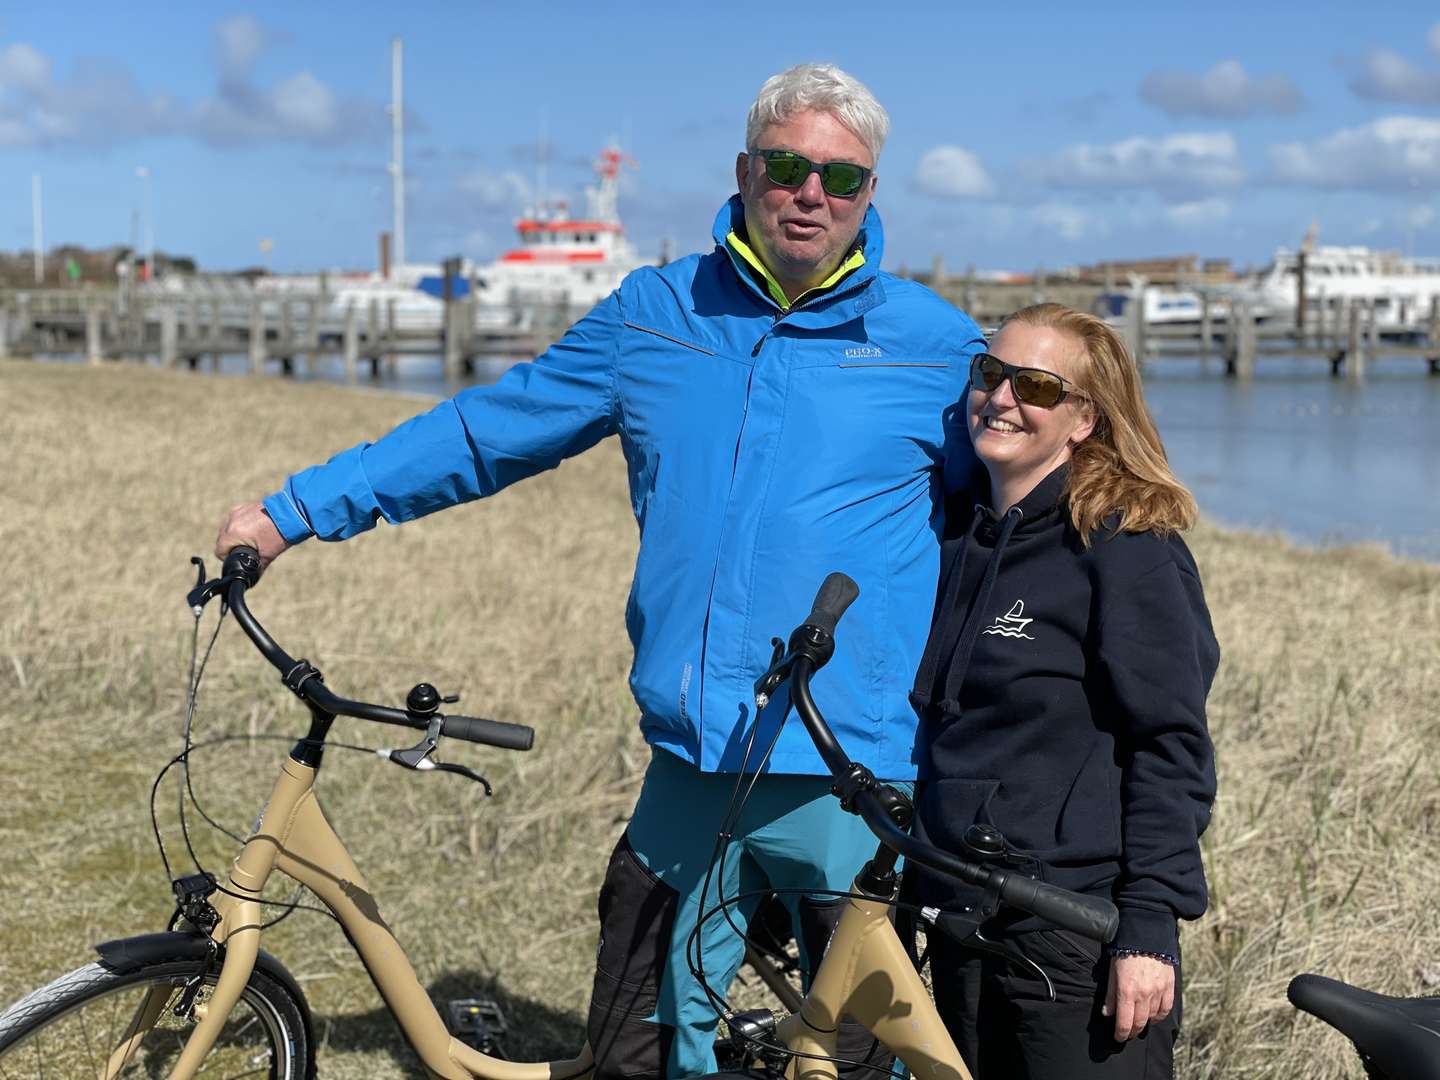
<point x="1398" y="1037"/>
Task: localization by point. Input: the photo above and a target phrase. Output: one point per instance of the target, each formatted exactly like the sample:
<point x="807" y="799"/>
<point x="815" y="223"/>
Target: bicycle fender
<point x="124" y="955"/>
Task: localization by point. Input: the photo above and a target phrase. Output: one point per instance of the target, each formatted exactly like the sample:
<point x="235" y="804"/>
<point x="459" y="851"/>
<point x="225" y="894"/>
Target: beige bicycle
<point x="203" y="999"/>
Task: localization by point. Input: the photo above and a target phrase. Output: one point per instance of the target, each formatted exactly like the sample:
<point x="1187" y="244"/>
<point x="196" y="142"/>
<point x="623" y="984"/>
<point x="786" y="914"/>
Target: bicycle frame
<point x="295" y="838"/>
<point x="867" y="975"/>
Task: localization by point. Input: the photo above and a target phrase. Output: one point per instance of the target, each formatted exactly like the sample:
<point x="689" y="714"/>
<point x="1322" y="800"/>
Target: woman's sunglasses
<point x="1031" y="386"/>
<point x="842" y="179"/>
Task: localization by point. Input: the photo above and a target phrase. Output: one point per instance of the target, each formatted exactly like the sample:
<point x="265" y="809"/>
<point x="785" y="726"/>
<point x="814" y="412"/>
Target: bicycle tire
<point x="69" y="1027"/>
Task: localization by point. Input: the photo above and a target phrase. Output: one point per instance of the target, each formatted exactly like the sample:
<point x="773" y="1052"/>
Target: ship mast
<point x="604" y="199"/>
<point x="397" y="155"/>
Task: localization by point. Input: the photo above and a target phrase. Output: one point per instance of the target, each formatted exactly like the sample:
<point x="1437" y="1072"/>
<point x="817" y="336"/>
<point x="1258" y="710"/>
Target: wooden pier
<point x="288" y="332"/>
<point x="1344" y="334"/>
<point x="203" y="321"/>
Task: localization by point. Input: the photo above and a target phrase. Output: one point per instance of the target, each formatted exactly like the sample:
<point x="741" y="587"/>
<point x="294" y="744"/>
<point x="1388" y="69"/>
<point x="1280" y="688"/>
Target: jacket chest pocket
<point x="872" y="420"/>
<point x="661" y="335"/>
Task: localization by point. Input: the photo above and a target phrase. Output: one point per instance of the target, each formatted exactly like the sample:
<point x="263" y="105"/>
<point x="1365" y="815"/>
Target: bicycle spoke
<point x="85" y="1031"/>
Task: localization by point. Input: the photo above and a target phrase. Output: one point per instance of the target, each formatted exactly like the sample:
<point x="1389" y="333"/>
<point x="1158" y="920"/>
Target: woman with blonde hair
<point x="1063" y="697"/>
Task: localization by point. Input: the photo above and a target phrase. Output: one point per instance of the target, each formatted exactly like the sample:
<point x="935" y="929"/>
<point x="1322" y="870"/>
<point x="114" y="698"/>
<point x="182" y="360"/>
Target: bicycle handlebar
<point x="835" y="596"/>
<point x="1094" y="916"/>
<point x="242" y="570"/>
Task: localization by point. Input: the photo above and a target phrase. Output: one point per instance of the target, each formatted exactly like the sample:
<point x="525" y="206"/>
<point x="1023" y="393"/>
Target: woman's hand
<point x="1142" y="991"/>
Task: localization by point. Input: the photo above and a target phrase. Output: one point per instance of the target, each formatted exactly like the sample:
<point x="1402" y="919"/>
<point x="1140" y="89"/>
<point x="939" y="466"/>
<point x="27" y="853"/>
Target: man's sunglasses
<point x="1031" y="386"/>
<point x="842" y="179"/>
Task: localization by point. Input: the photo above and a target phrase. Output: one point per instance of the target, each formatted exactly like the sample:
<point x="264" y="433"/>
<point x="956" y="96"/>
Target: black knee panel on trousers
<point x="637" y="920"/>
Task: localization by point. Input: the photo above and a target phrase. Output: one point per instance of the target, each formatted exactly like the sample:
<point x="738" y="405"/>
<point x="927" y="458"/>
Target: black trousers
<point x="1001" y="1018"/>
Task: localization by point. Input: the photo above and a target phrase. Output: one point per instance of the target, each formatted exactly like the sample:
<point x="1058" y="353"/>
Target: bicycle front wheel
<point x="97" y="1022"/>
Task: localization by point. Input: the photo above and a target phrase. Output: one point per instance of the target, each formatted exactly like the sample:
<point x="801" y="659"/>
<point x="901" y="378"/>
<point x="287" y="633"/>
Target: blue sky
<point x="1022" y="134"/>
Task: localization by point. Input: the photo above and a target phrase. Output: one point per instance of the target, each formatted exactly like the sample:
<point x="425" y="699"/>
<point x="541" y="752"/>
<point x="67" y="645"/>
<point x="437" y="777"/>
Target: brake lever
<point x="465" y="771"/>
<point x="205" y="591"/>
<point x="965" y="929"/>
<point x="977" y="940"/>
<point x="418" y="757"/>
<point x="776" y="674"/>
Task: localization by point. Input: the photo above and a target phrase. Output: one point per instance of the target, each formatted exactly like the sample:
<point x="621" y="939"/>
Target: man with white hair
<point x="782" y="404"/>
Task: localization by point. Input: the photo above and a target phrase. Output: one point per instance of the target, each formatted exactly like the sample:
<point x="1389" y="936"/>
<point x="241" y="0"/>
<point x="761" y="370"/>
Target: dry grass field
<point x="1326" y="713"/>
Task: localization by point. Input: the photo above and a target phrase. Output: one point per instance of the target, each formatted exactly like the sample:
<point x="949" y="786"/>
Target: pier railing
<point x="188" y="322"/>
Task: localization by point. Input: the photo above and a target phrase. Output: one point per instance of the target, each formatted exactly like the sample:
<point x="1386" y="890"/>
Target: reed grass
<point x="1321" y="856"/>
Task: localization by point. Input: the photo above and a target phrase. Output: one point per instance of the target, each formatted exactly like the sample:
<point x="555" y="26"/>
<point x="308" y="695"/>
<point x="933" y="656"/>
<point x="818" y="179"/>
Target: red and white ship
<point x="563" y="260"/>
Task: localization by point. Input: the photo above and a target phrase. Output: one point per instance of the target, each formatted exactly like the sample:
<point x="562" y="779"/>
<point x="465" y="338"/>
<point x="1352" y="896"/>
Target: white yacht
<point x="1401" y="288"/>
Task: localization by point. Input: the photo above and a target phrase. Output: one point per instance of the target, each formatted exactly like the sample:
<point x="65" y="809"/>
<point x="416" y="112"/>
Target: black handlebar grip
<point x="489" y="732"/>
<point x="1093" y="916"/>
<point x="244" y="561"/>
<point x="835" y="595"/>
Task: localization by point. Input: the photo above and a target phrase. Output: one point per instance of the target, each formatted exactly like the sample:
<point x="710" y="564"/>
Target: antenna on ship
<point x="542" y="162"/>
<point x="397" y="158"/>
<point x="605" y="199"/>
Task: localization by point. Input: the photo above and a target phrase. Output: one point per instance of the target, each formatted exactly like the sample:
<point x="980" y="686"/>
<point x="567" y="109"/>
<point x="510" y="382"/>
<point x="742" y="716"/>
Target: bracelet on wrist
<point x="1163" y="957"/>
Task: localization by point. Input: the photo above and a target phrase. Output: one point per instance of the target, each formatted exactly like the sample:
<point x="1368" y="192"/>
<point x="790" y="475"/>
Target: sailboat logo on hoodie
<point x="1012" y="624"/>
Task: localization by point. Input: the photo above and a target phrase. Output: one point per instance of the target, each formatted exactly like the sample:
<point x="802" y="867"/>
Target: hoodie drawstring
<point x="959" y="654"/>
<point x="943" y="644"/>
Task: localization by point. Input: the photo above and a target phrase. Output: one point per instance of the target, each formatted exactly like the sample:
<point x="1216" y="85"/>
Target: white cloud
<point x="103" y="103"/>
<point x="952" y="172"/>
<point x="1187" y="161"/>
<point x="303" y="103"/>
<point x="1068" y="222"/>
<point x="1434" y="37"/>
<point x="1200" y="214"/>
<point x="1224" y="90"/>
<point x="238" y="43"/>
<point x="1392" y="152"/>
<point x="1421" y="217"/>
<point x="24" y="67"/>
<point x="495" y="191"/>
<point x="1388" y="76"/>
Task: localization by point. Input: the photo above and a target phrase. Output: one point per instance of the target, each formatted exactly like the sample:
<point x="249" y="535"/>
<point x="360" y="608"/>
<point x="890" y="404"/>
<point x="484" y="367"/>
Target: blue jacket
<point x="766" y="448"/>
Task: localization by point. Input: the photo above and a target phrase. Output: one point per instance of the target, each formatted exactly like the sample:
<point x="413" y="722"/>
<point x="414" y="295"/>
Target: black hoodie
<point x="1063" y="697"/>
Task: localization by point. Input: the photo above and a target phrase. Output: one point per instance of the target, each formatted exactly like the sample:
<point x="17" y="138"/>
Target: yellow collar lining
<point x="741" y="248"/>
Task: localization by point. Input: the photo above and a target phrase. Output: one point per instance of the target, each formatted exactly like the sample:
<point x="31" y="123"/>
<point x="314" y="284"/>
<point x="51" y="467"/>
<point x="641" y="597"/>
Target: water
<point x="1295" y="451"/>
<point x="1320" y="459"/>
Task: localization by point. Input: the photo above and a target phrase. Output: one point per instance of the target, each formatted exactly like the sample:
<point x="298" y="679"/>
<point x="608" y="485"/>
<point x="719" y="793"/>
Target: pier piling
<point x="352" y="343"/>
<point x="92" y="331"/>
<point x="312" y="334"/>
<point x="169" y="335"/>
<point x="257" y="337"/>
<point x="1207" y="325"/>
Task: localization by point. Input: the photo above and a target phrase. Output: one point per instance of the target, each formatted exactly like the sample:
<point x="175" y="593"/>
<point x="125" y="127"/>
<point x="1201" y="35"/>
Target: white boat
<point x="415" y="291"/>
<point x="1401" y="288"/>
<point x="566" y="261"/>
<point x="560" y="262"/>
<point x="1162" y="305"/>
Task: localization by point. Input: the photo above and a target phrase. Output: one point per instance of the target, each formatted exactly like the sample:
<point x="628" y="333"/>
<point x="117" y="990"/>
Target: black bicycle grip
<point x="489" y="732"/>
<point x="242" y="561"/>
<point x="1093" y="916"/>
<point x="835" y="595"/>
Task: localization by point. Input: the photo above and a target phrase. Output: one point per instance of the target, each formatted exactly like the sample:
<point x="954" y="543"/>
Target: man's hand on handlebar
<point x="248" y="525"/>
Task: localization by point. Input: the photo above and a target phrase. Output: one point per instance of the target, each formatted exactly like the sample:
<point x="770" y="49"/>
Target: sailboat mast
<point x="397" y="126"/>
